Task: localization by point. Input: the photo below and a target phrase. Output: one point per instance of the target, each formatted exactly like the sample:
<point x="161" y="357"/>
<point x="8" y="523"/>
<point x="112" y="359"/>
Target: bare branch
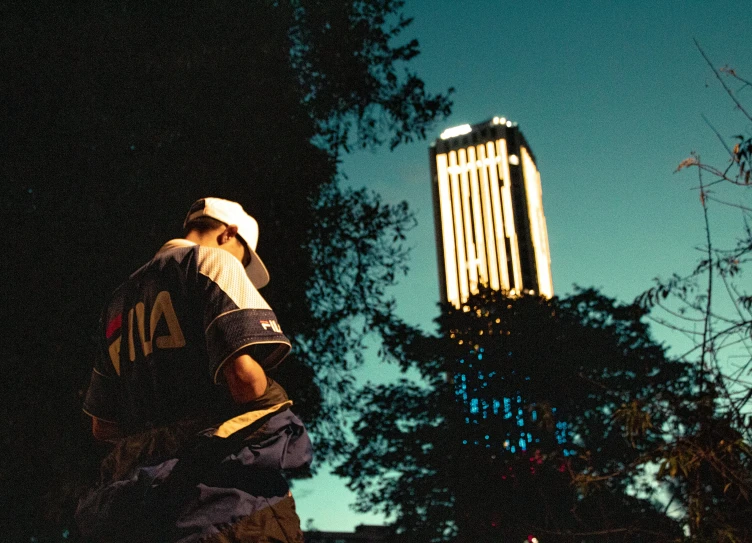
<point x="723" y="83"/>
<point x="718" y="135"/>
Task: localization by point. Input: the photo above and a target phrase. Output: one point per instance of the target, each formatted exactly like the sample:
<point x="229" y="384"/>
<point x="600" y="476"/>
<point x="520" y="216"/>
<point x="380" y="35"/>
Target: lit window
<point x="456" y="131"/>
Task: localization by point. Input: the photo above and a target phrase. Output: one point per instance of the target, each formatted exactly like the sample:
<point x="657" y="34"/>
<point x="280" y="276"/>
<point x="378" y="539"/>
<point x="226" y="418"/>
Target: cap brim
<point x="256" y="270"/>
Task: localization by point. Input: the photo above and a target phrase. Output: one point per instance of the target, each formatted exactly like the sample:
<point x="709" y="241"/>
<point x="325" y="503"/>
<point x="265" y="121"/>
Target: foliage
<point x="708" y="464"/>
<point x="362" y="242"/>
<point x="581" y="374"/>
<point x="348" y="70"/>
<point x="115" y="116"/>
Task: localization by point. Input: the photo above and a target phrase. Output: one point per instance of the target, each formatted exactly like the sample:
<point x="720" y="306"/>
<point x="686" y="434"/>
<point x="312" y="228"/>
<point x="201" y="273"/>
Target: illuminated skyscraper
<point x="491" y="232"/>
<point x="490" y="227"/>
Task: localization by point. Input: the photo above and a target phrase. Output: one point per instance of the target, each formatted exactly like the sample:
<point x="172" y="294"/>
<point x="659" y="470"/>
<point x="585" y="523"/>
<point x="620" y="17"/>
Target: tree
<point x="522" y="396"/>
<point x="348" y="69"/>
<point x="117" y="115"/>
<point x="708" y="463"/>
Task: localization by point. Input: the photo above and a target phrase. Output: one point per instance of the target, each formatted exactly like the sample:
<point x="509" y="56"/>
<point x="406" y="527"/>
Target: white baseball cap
<point x="232" y="213"/>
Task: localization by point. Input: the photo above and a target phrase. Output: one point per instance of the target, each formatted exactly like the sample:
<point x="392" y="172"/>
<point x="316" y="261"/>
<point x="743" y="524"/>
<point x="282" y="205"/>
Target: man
<point x="201" y="433"/>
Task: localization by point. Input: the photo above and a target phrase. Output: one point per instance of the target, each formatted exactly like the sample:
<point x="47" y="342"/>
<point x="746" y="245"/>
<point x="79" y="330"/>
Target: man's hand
<point x="104" y="430"/>
<point x="245" y="379"/>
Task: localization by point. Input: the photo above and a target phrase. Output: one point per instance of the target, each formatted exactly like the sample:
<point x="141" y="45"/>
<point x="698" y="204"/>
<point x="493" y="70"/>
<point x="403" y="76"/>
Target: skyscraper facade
<point x="490" y="226"/>
<point x="491" y="237"/>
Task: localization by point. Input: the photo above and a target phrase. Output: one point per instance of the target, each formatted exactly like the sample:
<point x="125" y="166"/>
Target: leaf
<point x="687" y="162"/>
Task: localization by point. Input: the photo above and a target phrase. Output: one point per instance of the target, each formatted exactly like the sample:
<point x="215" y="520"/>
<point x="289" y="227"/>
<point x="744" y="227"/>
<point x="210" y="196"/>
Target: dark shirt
<point x="167" y="331"/>
<point x="165" y="335"/>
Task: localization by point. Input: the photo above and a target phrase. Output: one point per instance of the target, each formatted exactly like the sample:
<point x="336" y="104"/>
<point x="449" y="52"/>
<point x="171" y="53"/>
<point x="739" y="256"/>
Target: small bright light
<point x="456" y="131"/>
<point x="495" y="120"/>
<point x="514" y="160"/>
<point x="502" y="120"/>
<point x="509" y="123"/>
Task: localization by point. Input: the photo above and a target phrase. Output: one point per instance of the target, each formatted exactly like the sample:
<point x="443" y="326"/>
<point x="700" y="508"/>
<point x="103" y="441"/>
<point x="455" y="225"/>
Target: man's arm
<point x="104" y="430"/>
<point x="245" y="378"/>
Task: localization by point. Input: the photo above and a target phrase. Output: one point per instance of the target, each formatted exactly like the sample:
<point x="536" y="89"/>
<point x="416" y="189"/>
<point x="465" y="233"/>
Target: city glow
<point x="456" y="131"/>
<point x="515" y="281"/>
<point x="538" y="229"/>
<point x="447" y="231"/>
<point x="487" y="156"/>
<point x="461" y="248"/>
<point x="502" y="278"/>
<point x="514" y="431"/>
<point x="472" y="255"/>
<point x="476" y="193"/>
<point x="477" y="153"/>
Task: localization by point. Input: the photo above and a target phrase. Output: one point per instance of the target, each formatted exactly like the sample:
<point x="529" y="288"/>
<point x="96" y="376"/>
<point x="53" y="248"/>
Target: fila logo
<point x="271" y="324"/>
<point x="162" y="309"/>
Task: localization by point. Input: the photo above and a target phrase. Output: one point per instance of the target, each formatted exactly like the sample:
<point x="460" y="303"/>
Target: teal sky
<point x="611" y="98"/>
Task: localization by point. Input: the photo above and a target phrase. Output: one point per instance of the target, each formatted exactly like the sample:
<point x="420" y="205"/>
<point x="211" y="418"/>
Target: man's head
<point x="234" y="231"/>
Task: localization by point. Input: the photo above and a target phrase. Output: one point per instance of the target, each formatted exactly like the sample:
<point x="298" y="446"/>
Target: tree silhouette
<point x="115" y="116"/>
<point x="524" y="397"/>
<point x="708" y="462"/>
